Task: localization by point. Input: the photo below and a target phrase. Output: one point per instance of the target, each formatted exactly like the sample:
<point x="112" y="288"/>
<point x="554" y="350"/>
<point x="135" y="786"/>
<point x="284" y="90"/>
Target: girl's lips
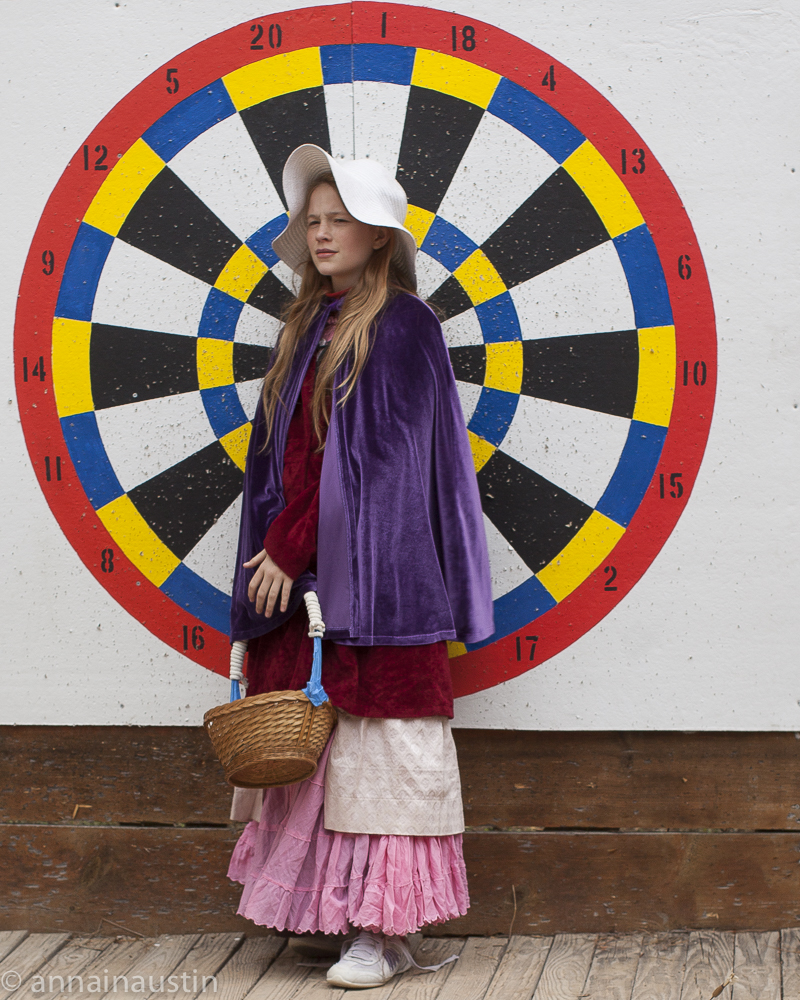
<point x="325" y="253"/>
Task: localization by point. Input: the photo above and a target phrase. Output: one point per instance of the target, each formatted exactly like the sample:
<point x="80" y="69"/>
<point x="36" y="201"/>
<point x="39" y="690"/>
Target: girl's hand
<point x="268" y="583"/>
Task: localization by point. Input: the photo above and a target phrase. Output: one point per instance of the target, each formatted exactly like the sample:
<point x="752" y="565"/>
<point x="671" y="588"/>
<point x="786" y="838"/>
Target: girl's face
<point x="340" y="245"/>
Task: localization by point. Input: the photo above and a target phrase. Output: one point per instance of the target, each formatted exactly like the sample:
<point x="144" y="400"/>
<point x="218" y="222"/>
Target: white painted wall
<point x="708" y="639"/>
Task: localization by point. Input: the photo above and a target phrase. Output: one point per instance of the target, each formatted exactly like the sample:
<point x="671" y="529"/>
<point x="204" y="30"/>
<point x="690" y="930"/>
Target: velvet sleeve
<point x="291" y="541"/>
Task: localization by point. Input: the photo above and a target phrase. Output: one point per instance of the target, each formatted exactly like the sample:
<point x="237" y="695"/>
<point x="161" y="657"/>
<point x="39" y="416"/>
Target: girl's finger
<point x="263" y="593"/>
<point x="274" y="590"/>
<point x="287" y="590"/>
<point x="255" y="583"/>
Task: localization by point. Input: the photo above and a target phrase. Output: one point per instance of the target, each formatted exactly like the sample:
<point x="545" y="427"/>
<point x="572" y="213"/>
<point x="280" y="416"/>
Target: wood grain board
<point x="588" y="832"/>
<point x="757" y="966"/>
<point x="155" y="880"/>
<point x="613" y="971"/>
<point x="642" y="780"/>
<point x="709" y="962"/>
<point x="662" y="960"/>
<point x="672" y="966"/>
<point x="790" y="961"/>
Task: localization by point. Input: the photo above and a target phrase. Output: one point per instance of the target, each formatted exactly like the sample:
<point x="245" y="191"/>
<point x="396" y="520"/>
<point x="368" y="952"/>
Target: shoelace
<point x="402" y="947"/>
<point x="363" y="949"/>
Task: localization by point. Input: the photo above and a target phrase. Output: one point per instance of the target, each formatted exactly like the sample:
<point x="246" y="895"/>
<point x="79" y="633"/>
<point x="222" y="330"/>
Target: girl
<point x="359" y="484"/>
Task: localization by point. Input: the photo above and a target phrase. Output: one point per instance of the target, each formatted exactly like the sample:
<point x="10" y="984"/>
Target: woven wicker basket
<point x="277" y="738"/>
<point x="270" y="739"/>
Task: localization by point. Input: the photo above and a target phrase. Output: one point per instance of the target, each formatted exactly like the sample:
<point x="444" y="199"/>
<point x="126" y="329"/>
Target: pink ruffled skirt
<point x="300" y="877"/>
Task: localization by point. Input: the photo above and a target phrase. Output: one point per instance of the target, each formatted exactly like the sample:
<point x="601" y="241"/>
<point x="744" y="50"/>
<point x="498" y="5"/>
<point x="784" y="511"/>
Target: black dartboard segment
<point x="170" y="222"/>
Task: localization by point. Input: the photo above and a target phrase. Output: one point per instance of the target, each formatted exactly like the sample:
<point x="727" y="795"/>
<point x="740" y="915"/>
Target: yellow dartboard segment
<point x="504" y="363"/>
<point x="236" y="442"/>
<point x="482" y="450"/>
<point x="418" y="222"/>
<point x="123" y="187"/>
<point x="610" y="198"/>
<point x="268" y="78"/>
<point x="656" y="388"/>
<point x="214" y="363"/>
<point x="581" y="555"/>
<point x="241" y="274"/>
<point x="72" y="380"/>
<point x="479" y="278"/>
<point x="456" y="77"/>
<point x="138" y="540"/>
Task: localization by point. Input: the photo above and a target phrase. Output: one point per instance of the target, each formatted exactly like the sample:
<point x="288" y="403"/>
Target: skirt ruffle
<point x="300" y="877"/>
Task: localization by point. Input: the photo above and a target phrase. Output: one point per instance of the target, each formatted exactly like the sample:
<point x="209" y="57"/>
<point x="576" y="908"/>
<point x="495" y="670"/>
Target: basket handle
<point x="238" y="679"/>
<point x="314" y="690"/>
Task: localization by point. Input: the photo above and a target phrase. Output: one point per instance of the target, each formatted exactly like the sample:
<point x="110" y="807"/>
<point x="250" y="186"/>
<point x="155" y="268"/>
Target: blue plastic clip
<point x="314" y="690"/>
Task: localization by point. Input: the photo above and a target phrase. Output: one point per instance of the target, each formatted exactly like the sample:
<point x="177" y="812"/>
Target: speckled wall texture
<point x="589" y="183"/>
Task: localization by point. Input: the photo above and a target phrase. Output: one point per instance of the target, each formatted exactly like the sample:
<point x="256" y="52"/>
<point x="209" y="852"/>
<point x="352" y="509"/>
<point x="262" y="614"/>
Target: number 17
<point x="532" y="639"/>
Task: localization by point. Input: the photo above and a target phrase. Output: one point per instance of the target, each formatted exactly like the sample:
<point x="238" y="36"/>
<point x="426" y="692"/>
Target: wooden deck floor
<point x="670" y="966"/>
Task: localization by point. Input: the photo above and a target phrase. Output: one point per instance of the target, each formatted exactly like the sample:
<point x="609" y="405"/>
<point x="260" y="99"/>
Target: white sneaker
<point x="370" y="960"/>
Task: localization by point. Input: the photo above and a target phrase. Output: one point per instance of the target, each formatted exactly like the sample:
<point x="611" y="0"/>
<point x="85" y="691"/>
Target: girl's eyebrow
<point x="317" y="215"/>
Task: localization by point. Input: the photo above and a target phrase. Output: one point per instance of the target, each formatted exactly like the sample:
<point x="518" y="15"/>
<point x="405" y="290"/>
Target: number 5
<point x="172" y="81"/>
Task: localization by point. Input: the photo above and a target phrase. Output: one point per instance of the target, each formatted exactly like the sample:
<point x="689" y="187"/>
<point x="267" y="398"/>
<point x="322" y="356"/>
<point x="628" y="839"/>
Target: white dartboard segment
<point x="147" y="438"/>
<point x="213" y="556"/>
<point x="378" y="117"/>
<point x="574" y="448"/>
<point x="587" y="294"/>
<point x="495" y="176"/>
<point x="173" y="302"/>
<point x="221" y="166"/>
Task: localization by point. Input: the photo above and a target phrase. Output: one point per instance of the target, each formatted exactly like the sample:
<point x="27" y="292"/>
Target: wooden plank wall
<point x="567" y="832"/>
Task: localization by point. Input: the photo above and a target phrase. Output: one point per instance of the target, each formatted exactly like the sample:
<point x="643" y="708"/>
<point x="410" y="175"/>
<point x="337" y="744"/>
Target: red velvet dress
<point x="388" y="682"/>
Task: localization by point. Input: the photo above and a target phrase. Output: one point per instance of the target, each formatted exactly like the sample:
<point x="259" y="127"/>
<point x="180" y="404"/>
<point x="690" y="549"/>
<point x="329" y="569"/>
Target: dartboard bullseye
<point x="571" y="289"/>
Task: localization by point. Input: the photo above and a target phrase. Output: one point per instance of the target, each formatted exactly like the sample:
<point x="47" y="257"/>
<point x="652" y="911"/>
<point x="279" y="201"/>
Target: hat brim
<point x="304" y="168"/>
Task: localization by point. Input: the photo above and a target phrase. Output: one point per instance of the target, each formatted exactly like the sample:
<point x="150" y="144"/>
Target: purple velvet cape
<point x="401" y="553"/>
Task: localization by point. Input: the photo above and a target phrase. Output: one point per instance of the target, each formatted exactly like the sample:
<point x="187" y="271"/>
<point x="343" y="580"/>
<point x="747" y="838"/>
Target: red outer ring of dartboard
<point x="419" y="27"/>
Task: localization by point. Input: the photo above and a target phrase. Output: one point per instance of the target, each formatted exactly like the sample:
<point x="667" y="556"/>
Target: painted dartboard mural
<point x="571" y="288"/>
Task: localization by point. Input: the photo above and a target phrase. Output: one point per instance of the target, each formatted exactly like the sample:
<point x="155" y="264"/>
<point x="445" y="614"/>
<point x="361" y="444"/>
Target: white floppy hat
<point x="369" y="192"/>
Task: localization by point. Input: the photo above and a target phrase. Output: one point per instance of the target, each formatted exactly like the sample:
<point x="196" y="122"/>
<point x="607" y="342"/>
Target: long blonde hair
<point x="380" y="281"/>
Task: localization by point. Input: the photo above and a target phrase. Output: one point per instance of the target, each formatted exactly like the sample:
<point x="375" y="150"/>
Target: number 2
<point x="609" y="582"/>
<point x="259" y="32"/>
